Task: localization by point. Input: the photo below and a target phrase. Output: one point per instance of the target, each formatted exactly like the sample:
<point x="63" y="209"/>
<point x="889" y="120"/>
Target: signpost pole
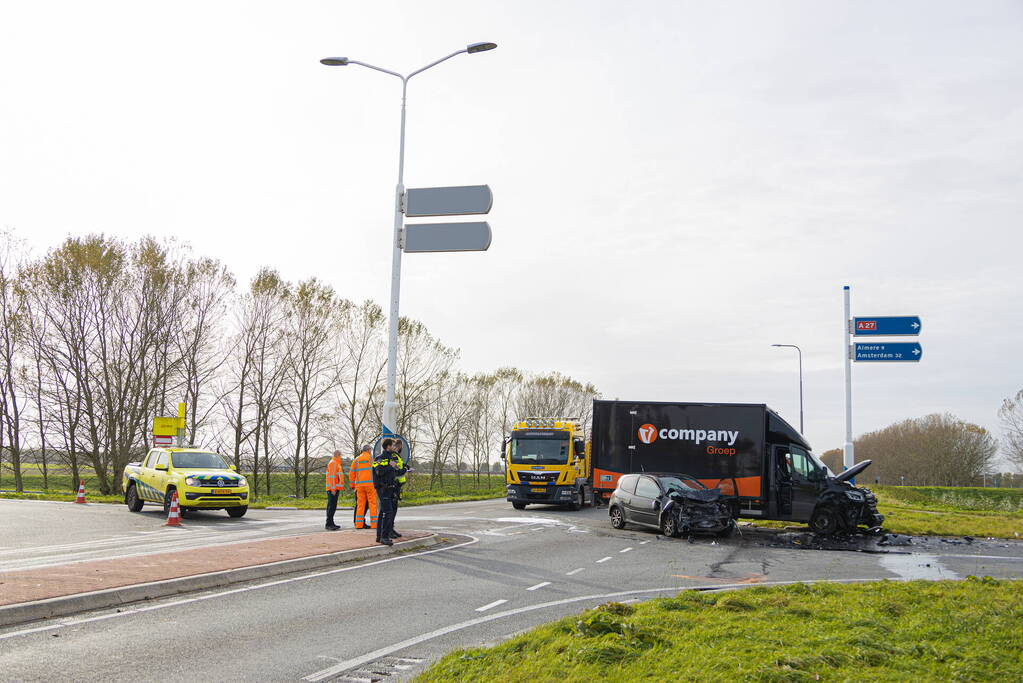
<point x="847" y="458"/>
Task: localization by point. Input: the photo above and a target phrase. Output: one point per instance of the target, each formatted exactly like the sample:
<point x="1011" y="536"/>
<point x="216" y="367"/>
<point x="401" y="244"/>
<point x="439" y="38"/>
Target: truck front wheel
<point x="824" y="521"/>
<point x="238" y="511"/>
<point x="577" y="502"/>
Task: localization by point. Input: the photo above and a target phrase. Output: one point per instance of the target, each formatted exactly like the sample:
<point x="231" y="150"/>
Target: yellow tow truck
<point x="547" y="462"/>
<point x="202" y="480"/>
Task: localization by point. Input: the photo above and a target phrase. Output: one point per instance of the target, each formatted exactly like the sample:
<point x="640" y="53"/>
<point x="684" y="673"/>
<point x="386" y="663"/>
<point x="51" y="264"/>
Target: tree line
<point x="99" y="335"/>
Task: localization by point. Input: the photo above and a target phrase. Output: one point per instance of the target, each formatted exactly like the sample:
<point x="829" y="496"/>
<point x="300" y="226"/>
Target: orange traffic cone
<point x="174" y="516"/>
<point x="81" y="492"/>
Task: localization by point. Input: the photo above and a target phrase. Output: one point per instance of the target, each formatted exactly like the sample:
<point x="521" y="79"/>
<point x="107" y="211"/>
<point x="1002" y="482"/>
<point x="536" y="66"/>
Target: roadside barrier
<point x="174" y="516"/>
<point x="81" y="491"/>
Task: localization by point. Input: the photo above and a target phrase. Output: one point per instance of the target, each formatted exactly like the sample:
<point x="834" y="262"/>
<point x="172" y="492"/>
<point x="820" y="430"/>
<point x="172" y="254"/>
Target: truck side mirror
<point x="233" y="467"/>
<point x="162" y="466"/>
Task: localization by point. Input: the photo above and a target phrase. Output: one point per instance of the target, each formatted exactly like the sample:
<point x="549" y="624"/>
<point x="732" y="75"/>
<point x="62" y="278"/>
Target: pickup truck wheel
<point x="669" y="527"/>
<point x="167" y="501"/>
<point x="519" y="506"/>
<point x="238" y="512"/>
<point x="132" y="500"/>
<point x="824" y="521"/>
<point x="617" y="517"/>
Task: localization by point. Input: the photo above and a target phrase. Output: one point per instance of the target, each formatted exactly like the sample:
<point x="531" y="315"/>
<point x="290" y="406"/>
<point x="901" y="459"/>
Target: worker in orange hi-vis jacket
<point x="335" y="484"/>
<point x="360" y="476"/>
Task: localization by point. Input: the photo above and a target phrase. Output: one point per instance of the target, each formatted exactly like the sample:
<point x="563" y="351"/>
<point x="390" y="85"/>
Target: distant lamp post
<point x="800" y="352"/>
<point x="390" y="413"/>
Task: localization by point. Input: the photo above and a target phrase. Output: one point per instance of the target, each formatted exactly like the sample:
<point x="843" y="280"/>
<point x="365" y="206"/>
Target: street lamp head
<point x="480" y="47"/>
<point x="334" y="61"/>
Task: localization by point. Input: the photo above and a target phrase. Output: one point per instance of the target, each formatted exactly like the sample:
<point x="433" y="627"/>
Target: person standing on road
<point x="401" y="479"/>
<point x="385" y="481"/>
<point x="360" y="476"/>
<point x="335" y="484"/>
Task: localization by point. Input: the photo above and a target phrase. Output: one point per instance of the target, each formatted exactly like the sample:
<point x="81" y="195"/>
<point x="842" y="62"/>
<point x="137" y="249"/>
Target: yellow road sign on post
<point x="165" y="426"/>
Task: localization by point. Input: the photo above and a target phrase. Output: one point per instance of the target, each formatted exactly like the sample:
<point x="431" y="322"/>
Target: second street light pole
<point x="800" y="352"/>
<point x="390" y="413"/>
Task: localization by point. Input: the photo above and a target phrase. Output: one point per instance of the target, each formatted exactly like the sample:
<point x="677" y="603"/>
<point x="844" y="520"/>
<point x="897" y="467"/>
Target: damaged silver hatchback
<point x="674" y="504"/>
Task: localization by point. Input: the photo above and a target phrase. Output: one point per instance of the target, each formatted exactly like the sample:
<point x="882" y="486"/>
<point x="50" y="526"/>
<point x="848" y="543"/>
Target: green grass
<point x="946" y="511"/>
<point x="282" y="486"/>
<point x="885" y="631"/>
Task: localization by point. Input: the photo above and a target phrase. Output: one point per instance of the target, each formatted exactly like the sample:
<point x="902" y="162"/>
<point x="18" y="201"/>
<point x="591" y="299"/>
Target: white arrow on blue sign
<point x="887" y="326"/>
<point x="887" y="352"/>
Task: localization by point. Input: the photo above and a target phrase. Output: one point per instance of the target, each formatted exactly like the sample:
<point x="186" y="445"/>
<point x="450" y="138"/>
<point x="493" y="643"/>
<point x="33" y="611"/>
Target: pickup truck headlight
<point x="855" y="496"/>
<point x="242" y="482"/>
<point x="191" y="481"/>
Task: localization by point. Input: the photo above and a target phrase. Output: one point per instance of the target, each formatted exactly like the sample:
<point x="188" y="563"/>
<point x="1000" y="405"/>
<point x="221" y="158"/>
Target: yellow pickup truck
<point x="203" y="481"/>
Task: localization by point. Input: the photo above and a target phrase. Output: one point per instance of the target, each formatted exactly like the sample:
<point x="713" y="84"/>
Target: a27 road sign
<point x="887" y="352"/>
<point x="887" y="326"/>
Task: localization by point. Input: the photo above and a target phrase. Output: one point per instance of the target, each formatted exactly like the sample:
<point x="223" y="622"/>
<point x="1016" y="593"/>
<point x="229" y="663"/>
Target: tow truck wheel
<point x="132" y="500"/>
<point x="519" y="506"/>
<point x="577" y="503"/>
<point x="824" y="521"/>
<point x="238" y="512"/>
<point x="668" y="526"/>
<point x="617" y="518"/>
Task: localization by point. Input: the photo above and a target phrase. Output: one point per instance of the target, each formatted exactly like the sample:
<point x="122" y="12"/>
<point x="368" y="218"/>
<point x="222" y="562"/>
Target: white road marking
<point x="986" y="557"/>
<point x="384" y="651"/>
<point x="539" y="585"/>
<point x="643" y="542"/>
<point x="495" y="603"/>
<point x="233" y="591"/>
<point x="625" y="550"/>
<point x="574" y="571"/>
<point x="603" y="559"/>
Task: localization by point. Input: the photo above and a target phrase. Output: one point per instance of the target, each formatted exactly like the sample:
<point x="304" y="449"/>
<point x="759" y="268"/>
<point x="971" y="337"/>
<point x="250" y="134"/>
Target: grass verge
<point x="885" y="631"/>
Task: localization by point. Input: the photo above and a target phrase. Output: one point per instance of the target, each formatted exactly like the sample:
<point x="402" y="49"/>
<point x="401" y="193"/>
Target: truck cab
<point x="546" y="462"/>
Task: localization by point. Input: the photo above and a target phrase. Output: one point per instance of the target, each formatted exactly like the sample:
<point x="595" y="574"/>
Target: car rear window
<point x="628" y="483"/>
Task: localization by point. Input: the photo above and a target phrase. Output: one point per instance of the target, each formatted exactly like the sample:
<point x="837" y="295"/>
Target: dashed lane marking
<point x="538" y="586"/>
<point x="625" y="550"/>
<point x="643" y="542"/>
<point x="574" y="571"/>
<point x="603" y="559"/>
<point x="495" y="603"/>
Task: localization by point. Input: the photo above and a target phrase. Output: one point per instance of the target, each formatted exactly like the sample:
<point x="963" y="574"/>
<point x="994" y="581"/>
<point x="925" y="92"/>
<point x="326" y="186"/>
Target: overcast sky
<point x="677" y="185"/>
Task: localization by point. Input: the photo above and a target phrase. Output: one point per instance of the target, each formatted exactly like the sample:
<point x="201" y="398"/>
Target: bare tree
<point x="12" y="332"/>
<point x="1011" y="417"/>
<point x="359" y="392"/>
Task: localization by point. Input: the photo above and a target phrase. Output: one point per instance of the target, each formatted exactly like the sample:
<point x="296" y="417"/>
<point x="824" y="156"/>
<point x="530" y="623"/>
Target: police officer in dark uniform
<point x="385" y="482"/>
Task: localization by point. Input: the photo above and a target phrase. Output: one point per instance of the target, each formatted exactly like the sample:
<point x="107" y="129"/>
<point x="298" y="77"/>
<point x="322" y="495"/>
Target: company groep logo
<point x="648" y="433"/>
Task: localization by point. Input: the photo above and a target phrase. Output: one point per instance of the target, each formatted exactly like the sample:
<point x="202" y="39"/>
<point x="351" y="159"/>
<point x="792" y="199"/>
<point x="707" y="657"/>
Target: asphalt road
<point x="503" y="571"/>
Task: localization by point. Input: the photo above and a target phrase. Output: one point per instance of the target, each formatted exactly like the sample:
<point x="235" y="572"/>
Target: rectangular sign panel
<point x="429" y="237"/>
<point x="887" y="326"/>
<point x="464" y="200"/>
<point x="165" y="426"/>
<point x="887" y="352"/>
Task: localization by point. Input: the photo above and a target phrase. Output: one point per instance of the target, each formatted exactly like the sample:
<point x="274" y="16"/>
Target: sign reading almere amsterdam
<point x="893" y="352"/>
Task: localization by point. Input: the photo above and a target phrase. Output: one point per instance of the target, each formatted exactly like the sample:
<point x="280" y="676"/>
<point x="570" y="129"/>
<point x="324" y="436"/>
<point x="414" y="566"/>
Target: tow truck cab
<point x="546" y="461"/>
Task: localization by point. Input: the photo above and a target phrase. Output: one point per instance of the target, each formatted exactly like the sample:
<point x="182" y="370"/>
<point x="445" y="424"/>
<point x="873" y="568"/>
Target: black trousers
<point x="332" y="497"/>
<point x="385" y="521"/>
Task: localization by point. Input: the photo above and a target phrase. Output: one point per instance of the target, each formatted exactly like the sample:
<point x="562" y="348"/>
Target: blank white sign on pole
<point x="431" y="237"/>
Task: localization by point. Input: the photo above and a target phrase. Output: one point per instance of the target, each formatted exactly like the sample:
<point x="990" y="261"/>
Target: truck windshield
<point x="539" y="452"/>
<point x="821" y="465"/>
<point x="199" y="461"/>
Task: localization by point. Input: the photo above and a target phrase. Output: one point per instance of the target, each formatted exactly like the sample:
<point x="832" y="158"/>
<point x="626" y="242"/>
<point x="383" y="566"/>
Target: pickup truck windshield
<point x="539" y="452"/>
<point x="198" y="461"/>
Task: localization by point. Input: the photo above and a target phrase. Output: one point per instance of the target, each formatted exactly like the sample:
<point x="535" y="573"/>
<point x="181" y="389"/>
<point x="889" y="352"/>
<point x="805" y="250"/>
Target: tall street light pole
<point x="390" y="416"/>
<point x="800" y="352"/>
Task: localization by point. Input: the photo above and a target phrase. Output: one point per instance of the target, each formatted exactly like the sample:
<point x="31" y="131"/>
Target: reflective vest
<point x="361" y="471"/>
<point x="335" y="475"/>
<point x="401" y="466"/>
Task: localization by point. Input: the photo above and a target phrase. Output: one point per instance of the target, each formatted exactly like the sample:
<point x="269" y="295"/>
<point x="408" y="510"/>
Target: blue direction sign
<point x="887" y="352"/>
<point x="887" y="326"/>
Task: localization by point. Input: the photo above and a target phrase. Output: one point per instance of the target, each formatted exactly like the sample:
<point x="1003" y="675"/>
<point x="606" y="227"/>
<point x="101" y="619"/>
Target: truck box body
<point x="721" y="444"/>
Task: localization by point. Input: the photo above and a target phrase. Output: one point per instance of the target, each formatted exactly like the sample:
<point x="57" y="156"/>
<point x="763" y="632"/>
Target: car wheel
<point x="824" y="521"/>
<point x="577" y="504"/>
<point x="132" y="500"/>
<point x="669" y="527"/>
<point x="727" y="531"/>
<point x="519" y="506"/>
<point x="617" y="517"/>
<point x="238" y="512"/>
